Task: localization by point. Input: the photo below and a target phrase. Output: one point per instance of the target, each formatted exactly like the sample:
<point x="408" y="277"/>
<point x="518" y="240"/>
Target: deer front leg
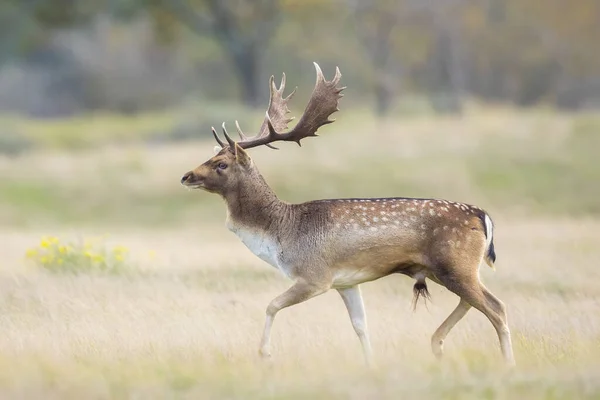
<point x="356" y="309"/>
<point x="301" y="291"/>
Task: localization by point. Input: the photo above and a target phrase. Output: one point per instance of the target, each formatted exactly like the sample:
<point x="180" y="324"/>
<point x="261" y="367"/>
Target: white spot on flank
<point x="423" y="226"/>
<point x="384" y="219"/>
<point x="373" y="229"/>
<point x="382" y="213"/>
<point x="466" y="222"/>
<point x="445" y="228"/>
<point x="432" y="211"/>
<point x="375" y="219"/>
<point x="405" y="223"/>
<point x="413" y="218"/>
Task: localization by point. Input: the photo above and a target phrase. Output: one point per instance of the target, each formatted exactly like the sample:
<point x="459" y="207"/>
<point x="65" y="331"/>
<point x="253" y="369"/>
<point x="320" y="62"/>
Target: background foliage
<point x="62" y="57"/>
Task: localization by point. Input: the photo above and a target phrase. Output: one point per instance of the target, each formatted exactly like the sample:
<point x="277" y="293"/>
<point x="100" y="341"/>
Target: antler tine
<point x="227" y="137"/>
<point x="240" y="132"/>
<point x="281" y="84"/>
<point x="214" y="132"/>
<point x="320" y="76"/>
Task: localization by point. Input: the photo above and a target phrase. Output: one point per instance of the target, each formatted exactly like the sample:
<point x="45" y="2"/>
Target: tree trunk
<point x="445" y="75"/>
<point x="383" y="99"/>
<point x="246" y="62"/>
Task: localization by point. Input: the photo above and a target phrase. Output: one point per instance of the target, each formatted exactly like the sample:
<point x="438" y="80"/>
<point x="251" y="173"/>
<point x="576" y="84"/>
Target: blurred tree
<point x="519" y="51"/>
<point x="243" y="28"/>
<point x="380" y="27"/>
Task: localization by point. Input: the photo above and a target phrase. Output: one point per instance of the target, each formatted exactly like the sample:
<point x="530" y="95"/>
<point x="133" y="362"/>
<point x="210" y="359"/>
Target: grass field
<point x="186" y="323"/>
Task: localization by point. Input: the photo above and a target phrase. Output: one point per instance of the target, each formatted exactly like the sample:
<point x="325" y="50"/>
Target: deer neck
<point x="252" y="204"/>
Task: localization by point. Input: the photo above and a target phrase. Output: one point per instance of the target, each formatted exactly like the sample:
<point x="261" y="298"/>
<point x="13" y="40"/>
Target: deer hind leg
<point x="356" y="310"/>
<point x="298" y="293"/>
<point x="437" y="340"/>
<point x="473" y="292"/>
<point x="496" y="313"/>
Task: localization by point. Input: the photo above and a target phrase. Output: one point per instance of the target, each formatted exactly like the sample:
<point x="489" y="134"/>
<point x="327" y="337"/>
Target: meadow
<point x="182" y="315"/>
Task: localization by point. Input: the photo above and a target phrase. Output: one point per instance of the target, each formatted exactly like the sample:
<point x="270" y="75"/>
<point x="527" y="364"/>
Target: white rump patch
<point x="489" y="229"/>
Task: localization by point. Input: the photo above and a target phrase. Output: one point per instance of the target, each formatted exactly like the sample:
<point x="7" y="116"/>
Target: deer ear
<point x="241" y="156"/>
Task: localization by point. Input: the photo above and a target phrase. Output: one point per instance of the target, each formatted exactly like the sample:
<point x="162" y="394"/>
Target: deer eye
<point x="222" y="166"/>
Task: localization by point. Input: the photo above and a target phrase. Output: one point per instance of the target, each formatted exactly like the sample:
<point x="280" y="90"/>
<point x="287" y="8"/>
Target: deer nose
<point x="186" y="177"/>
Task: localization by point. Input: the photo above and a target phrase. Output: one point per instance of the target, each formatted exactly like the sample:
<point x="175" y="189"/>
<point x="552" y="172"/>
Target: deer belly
<point x="351" y="277"/>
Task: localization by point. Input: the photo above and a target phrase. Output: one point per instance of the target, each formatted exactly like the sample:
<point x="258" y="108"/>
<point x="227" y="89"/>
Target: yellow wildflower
<point x="47" y="242"/>
<point x="48" y="259"/>
<point x="63" y="249"/>
<point x="98" y="258"/>
<point x="89" y="254"/>
<point x="119" y="258"/>
<point x="31" y="253"/>
<point x="120" y="249"/>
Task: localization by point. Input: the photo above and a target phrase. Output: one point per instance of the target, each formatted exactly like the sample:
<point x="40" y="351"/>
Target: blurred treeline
<point x="64" y="57"/>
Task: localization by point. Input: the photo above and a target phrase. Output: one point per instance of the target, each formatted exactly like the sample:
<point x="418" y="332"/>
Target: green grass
<point x="517" y="162"/>
<point x="471" y="375"/>
<point x="90" y="131"/>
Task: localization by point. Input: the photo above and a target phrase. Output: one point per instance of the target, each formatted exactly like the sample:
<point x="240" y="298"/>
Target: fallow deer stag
<point x="341" y="243"/>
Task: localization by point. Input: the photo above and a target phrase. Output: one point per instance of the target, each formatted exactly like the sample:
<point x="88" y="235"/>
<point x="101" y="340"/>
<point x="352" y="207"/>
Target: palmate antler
<point x="323" y="102"/>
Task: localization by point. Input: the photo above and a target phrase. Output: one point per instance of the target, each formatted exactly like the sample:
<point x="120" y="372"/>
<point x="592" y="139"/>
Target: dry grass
<point x="188" y="325"/>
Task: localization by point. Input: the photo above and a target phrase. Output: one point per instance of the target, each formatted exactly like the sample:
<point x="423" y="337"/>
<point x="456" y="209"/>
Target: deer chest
<point x="262" y="246"/>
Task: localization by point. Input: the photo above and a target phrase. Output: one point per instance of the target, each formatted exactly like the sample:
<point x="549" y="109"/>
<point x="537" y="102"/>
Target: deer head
<point x="232" y="164"/>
